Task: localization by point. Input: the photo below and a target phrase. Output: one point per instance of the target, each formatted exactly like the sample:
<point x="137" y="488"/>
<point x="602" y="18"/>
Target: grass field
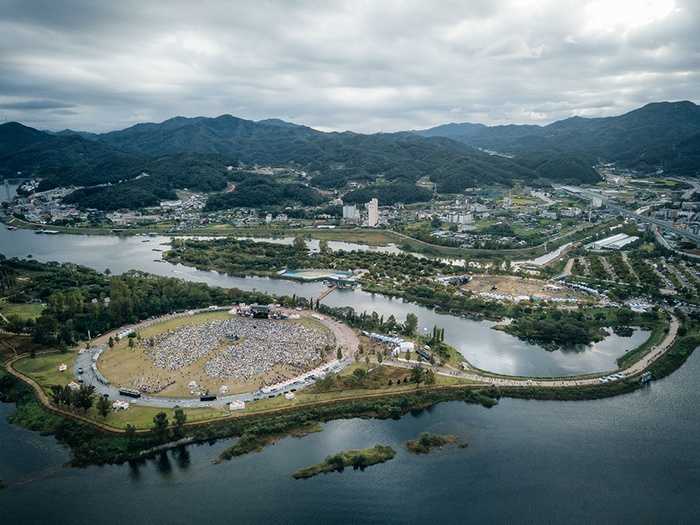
<point x="22" y="311"/>
<point x="44" y="369"/>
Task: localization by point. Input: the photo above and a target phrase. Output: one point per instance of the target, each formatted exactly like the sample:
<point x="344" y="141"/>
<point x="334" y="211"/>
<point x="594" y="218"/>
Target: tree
<point x="360" y="374"/>
<point x="103" y="406"/>
<point x="160" y="425"/>
<point x="411" y="324"/>
<point x="110" y="342"/>
<point x="625" y="316"/>
<point x="417" y="375"/>
<point x="130" y="433"/>
<point x="60" y="395"/>
<point x="299" y="244"/>
<point x="429" y="377"/>
<point x="339" y="354"/>
<point x="179" y="422"/>
<point x="131" y="343"/>
<point x="83" y="398"/>
<point x="323" y="247"/>
<point x="380" y="357"/>
<point x="108" y="271"/>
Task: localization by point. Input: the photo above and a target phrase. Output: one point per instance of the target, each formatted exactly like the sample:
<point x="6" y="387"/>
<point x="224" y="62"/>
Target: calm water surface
<point x="632" y="458"/>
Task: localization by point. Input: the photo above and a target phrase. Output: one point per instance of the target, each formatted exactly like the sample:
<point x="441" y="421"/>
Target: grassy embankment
<point x="90" y="445"/>
<point x="43" y="369"/>
<point x="658" y="332"/>
<point x="357" y="459"/>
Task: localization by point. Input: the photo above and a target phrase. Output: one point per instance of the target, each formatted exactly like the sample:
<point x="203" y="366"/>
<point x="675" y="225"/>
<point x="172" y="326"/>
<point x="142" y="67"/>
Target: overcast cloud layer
<point x="365" y="66"/>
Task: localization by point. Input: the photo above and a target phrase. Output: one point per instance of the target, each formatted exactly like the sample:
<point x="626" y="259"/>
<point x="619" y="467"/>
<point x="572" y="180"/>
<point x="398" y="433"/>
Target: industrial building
<point x="614" y="242"/>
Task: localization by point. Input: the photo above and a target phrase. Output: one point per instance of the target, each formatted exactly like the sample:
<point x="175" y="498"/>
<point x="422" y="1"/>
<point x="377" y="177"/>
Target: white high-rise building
<point x="351" y="213"/>
<point x="372" y="213"/>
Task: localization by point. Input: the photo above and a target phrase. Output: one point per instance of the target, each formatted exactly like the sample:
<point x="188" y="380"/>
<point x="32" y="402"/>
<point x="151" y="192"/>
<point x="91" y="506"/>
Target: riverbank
<point x="90" y="444"/>
<point x="370" y="237"/>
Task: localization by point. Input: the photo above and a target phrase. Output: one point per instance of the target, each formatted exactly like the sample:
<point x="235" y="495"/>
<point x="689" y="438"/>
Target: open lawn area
<point x="21" y="310"/>
<point x="44" y="369"/>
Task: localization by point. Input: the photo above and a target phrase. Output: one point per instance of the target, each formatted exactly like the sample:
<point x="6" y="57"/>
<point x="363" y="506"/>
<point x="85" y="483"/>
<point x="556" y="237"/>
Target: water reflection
<point x="163" y="464"/>
<point x="182" y="457"/>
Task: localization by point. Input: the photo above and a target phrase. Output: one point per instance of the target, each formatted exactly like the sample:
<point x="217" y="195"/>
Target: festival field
<point x="157" y="366"/>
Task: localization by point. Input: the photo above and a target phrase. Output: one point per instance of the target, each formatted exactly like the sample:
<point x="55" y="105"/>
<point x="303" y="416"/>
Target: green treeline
<point x="247" y="257"/>
<point x="558" y="328"/>
<point x="80" y="300"/>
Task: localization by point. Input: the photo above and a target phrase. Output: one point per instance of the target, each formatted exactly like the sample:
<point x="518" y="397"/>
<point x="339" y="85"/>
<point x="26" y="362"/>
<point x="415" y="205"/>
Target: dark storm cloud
<point x="362" y="65"/>
<point x="35" y="104"/>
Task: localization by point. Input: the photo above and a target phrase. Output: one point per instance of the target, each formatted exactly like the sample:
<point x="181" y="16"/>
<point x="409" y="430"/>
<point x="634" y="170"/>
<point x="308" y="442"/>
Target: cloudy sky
<point x="360" y="65"/>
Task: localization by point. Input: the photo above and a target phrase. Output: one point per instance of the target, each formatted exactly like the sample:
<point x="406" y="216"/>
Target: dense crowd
<point x="250" y="347"/>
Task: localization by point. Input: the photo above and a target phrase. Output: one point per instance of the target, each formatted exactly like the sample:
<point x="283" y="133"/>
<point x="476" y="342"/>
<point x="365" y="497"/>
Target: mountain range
<point x="661" y="134"/>
<point x="194" y="153"/>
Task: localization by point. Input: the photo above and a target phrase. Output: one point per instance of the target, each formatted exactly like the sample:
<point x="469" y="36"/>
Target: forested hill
<point x="193" y="153"/>
<point x="658" y="134"/>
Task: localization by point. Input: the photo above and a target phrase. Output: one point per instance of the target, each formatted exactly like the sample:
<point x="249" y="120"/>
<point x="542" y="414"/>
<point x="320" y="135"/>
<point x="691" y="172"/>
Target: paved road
<point x="669" y="226"/>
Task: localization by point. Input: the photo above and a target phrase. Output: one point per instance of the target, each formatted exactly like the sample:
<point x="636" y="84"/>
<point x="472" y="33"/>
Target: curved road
<point x="636" y="368"/>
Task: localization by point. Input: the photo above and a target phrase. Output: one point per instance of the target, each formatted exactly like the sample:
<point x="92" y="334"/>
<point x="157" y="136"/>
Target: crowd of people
<point x="248" y="347"/>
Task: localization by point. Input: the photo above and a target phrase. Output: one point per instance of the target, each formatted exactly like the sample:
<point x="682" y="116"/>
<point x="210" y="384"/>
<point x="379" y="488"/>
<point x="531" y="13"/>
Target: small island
<point x="427" y="441"/>
<point x="357" y="459"/>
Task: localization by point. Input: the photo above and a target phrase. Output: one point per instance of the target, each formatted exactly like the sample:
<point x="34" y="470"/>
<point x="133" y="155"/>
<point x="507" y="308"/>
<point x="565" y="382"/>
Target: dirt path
<point x="629" y="266"/>
<point x="608" y="268"/>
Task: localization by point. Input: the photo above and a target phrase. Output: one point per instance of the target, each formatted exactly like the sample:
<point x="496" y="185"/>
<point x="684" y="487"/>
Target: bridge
<point x="325" y="293"/>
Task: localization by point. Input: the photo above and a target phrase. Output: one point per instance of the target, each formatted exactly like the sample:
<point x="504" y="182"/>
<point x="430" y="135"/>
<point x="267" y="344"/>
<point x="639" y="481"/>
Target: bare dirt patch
<point x="519" y="287"/>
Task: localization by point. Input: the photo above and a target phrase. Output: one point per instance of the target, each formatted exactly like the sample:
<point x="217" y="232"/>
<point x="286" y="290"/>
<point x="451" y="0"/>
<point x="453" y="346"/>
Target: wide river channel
<point x="632" y="457"/>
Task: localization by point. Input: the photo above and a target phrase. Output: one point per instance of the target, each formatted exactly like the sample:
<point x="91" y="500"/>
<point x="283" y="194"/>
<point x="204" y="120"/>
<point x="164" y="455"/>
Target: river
<point x="633" y="457"/>
<point x="484" y="347"/>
